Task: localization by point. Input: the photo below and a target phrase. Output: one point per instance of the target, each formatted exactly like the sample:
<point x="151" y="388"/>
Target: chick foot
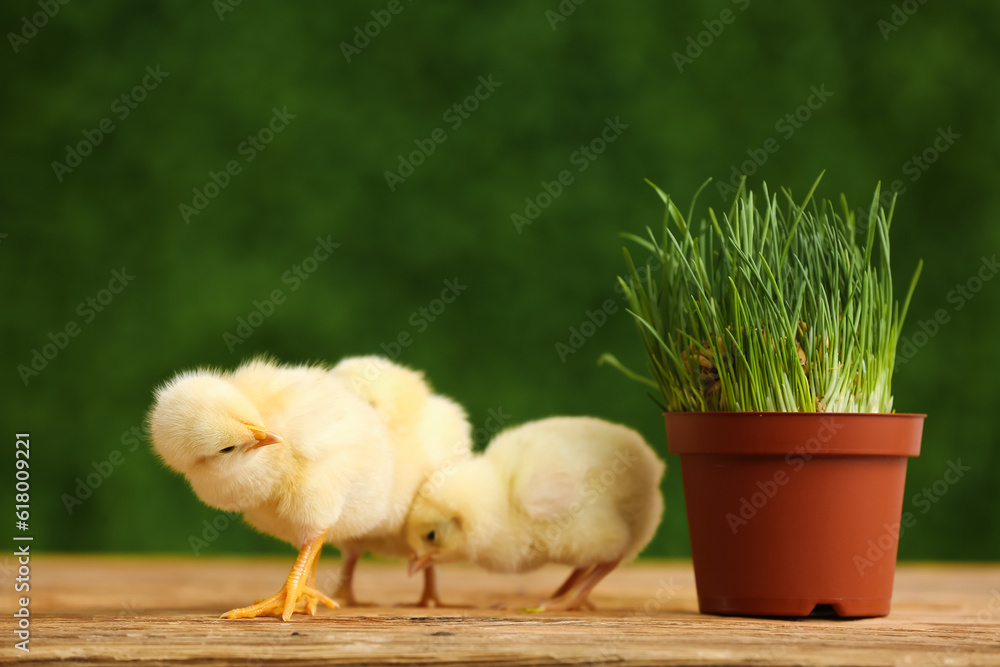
<point x="295" y="595"/>
<point x="572" y="595"/>
<point x="306" y="602"/>
<point x="566" y="604"/>
<point x="345" y="597"/>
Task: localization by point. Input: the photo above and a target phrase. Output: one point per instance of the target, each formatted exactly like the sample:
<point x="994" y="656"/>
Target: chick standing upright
<point x="572" y="490"/>
<point x="428" y="432"/>
<point x="293" y="448"/>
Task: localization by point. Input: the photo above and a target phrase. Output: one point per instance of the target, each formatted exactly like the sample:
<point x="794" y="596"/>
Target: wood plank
<point x="104" y="610"/>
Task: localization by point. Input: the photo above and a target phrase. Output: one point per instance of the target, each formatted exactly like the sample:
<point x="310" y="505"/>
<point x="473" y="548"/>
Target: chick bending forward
<point x="428" y="432"/>
<point x="572" y="490"/>
<point x="299" y="451"/>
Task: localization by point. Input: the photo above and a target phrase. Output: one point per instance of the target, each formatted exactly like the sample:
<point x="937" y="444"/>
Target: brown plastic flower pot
<point x="788" y="511"/>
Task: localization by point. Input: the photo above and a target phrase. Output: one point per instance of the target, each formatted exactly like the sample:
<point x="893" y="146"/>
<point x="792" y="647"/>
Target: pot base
<point x="798" y="608"/>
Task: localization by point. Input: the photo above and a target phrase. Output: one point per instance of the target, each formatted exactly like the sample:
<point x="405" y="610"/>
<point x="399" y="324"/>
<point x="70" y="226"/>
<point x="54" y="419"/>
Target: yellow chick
<point x="428" y="432"/>
<point x="293" y="448"/>
<point x="572" y="490"/>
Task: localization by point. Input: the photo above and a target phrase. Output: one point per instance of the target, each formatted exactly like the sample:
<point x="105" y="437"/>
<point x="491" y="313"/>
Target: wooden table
<point x="104" y="610"/>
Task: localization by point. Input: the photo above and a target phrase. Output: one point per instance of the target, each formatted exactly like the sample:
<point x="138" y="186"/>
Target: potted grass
<point x="770" y="333"/>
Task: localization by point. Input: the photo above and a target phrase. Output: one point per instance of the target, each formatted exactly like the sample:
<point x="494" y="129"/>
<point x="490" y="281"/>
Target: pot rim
<point x="807" y="414"/>
<point x="794" y="433"/>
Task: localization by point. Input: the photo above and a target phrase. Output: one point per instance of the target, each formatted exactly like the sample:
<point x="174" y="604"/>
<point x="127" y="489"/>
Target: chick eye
<point x="226" y="450"/>
<point x="431" y="536"/>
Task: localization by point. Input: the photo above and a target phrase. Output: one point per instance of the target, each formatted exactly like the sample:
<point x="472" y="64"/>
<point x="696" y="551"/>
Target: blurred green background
<point x="894" y="78"/>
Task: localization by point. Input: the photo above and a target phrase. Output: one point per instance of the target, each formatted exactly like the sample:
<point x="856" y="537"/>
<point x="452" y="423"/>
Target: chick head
<point x="202" y="425"/>
<point x="434" y="533"/>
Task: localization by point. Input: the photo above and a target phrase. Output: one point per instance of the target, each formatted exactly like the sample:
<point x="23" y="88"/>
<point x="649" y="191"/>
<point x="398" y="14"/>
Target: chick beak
<point x="262" y="436"/>
<point x="420" y="563"/>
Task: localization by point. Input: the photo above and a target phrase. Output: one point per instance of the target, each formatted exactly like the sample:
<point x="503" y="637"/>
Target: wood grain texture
<point x="105" y="610"/>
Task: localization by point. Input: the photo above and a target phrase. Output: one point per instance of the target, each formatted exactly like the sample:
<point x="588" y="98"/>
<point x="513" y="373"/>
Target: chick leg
<point x="429" y="598"/>
<point x="570" y="582"/>
<point x="576" y="598"/>
<point x="312" y="575"/>
<point x="307" y="604"/>
<point x="311" y="603"/>
<point x="295" y="589"/>
<point x="345" y="589"/>
<point x="430" y="594"/>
